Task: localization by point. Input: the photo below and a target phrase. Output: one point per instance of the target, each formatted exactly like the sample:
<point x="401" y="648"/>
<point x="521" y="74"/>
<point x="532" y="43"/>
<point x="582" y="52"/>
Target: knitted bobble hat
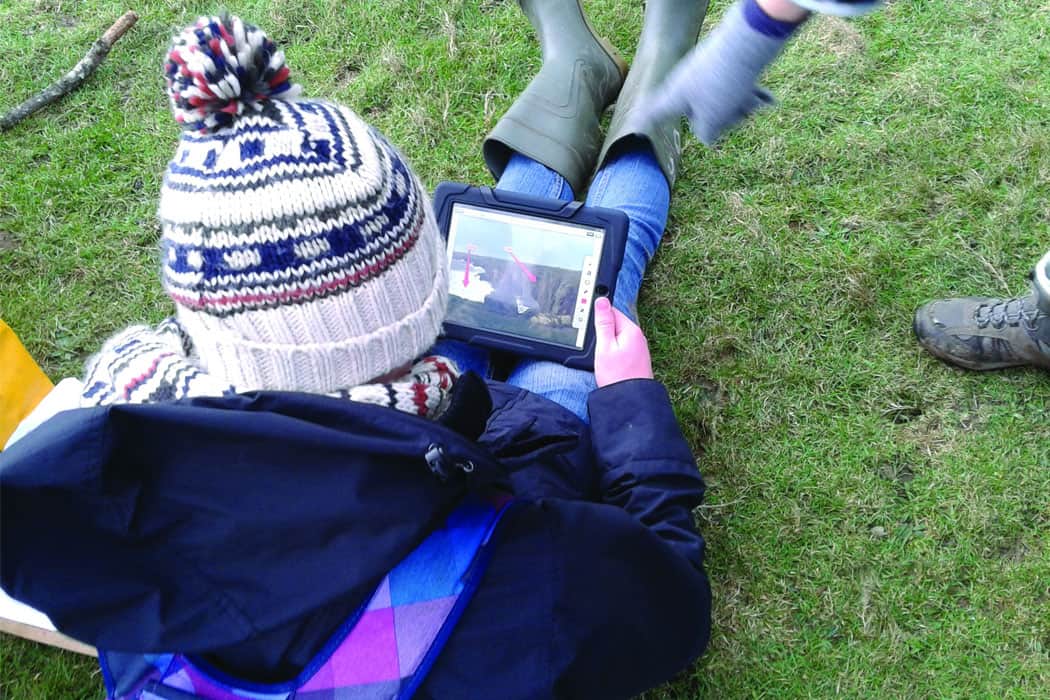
<point x="299" y="248"/>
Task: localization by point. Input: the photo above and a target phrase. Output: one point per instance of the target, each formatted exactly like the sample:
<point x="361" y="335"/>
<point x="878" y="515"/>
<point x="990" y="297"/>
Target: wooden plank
<point x="49" y="637"/>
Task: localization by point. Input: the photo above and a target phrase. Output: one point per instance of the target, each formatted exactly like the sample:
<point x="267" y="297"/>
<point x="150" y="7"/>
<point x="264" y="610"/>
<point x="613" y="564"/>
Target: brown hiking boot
<point x="986" y="333"/>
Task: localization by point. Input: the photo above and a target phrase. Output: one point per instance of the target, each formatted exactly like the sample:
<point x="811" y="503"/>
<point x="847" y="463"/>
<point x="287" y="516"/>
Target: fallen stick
<point x="71" y="80"/>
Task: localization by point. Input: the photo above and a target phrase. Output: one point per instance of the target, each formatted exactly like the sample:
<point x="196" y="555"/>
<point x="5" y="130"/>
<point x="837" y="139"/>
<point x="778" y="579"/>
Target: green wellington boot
<point x="670" y="31"/>
<point x="555" y="120"/>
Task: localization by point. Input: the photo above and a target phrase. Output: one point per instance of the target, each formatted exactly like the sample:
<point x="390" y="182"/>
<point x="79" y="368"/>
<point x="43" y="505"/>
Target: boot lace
<point x="1004" y="312"/>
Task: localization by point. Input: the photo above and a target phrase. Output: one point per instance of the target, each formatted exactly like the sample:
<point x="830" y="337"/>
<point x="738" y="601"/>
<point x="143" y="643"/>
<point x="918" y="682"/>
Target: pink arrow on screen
<point x="466" y="274"/>
<point x="528" y="273"/>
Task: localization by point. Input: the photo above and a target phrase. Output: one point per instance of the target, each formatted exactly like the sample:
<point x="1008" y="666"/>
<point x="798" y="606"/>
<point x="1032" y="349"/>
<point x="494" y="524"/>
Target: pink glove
<point x="621" y="351"/>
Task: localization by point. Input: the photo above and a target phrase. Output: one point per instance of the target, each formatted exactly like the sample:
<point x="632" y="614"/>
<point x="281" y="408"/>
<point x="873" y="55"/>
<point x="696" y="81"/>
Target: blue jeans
<point x="632" y="182"/>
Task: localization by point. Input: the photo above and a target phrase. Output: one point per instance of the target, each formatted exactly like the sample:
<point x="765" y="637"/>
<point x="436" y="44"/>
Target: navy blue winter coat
<point x="245" y="529"/>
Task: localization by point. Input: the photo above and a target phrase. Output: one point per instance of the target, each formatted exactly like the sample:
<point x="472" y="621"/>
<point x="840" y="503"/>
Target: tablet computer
<point x="524" y="271"/>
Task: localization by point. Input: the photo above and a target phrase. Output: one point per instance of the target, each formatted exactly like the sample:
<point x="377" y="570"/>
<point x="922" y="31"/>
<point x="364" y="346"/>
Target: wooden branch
<point x="71" y="80"/>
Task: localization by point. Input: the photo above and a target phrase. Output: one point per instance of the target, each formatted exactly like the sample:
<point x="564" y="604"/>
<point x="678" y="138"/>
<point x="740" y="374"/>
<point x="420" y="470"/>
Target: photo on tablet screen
<point x="522" y="275"/>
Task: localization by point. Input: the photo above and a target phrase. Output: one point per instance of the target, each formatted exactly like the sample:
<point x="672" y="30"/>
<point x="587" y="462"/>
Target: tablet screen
<point x="522" y="275"/>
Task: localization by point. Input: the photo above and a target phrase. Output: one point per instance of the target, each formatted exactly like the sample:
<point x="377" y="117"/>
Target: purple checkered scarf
<point x="382" y="652"/>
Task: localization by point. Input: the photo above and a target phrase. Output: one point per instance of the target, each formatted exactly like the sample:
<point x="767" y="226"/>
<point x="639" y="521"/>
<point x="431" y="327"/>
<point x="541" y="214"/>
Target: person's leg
<point x="556" y="120"/>
<point x="526" y="176"/>
<point x="633" y="182"/>
<point x="669" y="33"/>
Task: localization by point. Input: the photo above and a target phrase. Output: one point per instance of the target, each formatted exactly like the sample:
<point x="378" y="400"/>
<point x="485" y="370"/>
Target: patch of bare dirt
<point x="841" y="38"/>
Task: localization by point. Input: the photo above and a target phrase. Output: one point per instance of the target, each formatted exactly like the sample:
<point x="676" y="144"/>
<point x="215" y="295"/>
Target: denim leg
<point x="632" y="182"/>
<point x="525" y="176"/>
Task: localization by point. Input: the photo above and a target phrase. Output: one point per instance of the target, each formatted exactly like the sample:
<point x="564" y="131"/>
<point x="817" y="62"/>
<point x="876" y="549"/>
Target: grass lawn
<point x="877" y="522"/>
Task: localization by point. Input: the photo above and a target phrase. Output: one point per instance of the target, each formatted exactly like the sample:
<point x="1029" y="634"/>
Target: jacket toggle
<point x="439" y="463"/>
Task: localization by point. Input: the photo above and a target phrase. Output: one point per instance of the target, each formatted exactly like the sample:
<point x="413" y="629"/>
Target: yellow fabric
<point x="22" y="383"/>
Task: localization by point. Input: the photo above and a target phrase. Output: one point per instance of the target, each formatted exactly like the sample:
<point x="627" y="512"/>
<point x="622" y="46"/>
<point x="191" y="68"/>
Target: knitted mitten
<point x="715" y="85"/>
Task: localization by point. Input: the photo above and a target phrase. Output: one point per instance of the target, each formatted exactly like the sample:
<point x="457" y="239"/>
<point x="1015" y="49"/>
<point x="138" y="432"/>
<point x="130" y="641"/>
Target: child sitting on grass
<point x="214" y="542"/>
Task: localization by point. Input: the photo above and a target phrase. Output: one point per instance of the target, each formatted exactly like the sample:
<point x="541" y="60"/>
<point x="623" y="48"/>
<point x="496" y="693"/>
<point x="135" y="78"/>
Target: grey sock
<point x="1041" y="282"/>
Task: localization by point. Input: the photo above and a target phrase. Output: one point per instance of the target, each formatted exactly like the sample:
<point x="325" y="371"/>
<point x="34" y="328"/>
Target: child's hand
<point x="621" y="351"/>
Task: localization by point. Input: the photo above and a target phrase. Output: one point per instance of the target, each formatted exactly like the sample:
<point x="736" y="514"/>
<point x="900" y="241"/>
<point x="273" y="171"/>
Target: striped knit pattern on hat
<point x="300" y="250"/>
